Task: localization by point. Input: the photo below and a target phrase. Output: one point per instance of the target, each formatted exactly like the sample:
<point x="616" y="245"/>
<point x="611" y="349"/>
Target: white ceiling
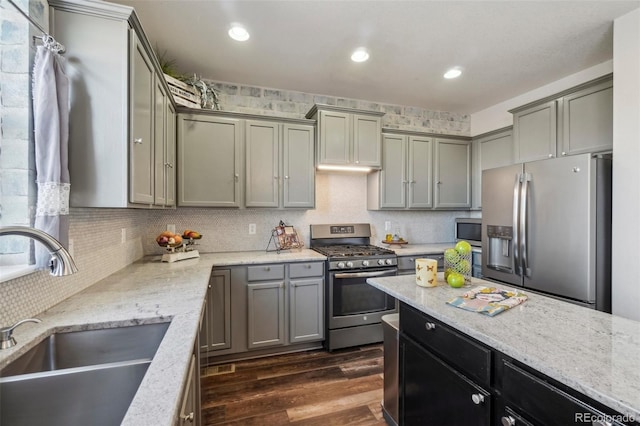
<point x="505" y="47"/>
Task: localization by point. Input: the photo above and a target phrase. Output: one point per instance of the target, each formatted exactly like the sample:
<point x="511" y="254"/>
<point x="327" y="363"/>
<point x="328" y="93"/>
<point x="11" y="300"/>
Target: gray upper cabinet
<point x="347" y="137"/>
<point x="406" y="179"/>
<point x="490" y="150"/>
<point x="237" y="160"/>
<point x="534" y="131"/>
<point x="165" y="148"/>
<point x="420" y="172"/>
<point x="587" y="120"/>
<point x="279" y="165"/>
<point x="117" y="122"/>
<point x="452" y="174"/>
<point x="262" y="140"/>
<point x="209" y="161"/>
<point x="577" y="121"/>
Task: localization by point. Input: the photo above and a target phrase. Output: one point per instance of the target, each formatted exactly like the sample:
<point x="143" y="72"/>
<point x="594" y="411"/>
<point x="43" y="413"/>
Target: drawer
<point x="265" y="272"/>
<point x="470" y="357"/>
<point x="409" y="262"/>
<point x="538" y="399"/>
<point x="309" y="269"/>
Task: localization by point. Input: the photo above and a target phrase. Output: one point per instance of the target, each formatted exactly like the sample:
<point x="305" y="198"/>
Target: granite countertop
<point x="595" y="353"/>
<point x="414" y="249"/>
<point x="148" y="291"/>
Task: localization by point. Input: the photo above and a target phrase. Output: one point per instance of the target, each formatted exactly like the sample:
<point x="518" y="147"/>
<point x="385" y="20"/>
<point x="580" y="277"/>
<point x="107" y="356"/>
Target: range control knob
<point x="340" y="265"/>
<point x="349" y="264"/>
<point x="365" y="263"/>
<point x="388" y="262"/>
<point x="380" y="261"/>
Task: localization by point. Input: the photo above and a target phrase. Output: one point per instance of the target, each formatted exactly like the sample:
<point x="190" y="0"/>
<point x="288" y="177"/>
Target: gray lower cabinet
<point x="119" y="104"/>
<point x="577" y="121"/>
<point x="266" y="314"/>
<point x="190" y="407"/>
<point x="263" y="307"/>
<point x="489" y="150"/>
<point x="216" y="328"/>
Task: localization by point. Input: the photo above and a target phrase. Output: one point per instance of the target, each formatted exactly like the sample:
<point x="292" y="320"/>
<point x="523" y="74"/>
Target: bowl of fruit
<point x="188" y="234"/>
<point x="169" y="239"/>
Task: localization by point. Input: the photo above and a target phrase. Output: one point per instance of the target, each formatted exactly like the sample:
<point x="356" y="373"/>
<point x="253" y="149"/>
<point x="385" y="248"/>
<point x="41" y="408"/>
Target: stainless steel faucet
<point x="6" y="338"/>
<point x="61" y="262"/>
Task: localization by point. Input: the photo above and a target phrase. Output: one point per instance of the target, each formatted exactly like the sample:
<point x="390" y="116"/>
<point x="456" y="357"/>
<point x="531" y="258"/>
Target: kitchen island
<point x="146" y="292"/>
<point x="594" y="353"/>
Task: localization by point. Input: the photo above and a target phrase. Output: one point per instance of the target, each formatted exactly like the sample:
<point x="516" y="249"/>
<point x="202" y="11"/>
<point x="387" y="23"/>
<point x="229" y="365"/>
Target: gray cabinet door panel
<point x="453" y="174"/>
<point x="587" y="124"/>
<point x="491" y="151"/>
<point x="170" y="152"/>
<point x="335" y="136"/>
<point x="366" y="140"/>
<point x="266" y="314"/>
<point x="141" y="145"/>
<point x="209" y="154"/>
<point x="216" y="327"/>
<point x="535" y="133"/>
<point x="298" y="166"/>
<point x="393" y="175"/>
<point x="306" y="310"/>
<point x="261" y="163"/>
<point x="160" y="138"/>
<point x="420" y="180"/>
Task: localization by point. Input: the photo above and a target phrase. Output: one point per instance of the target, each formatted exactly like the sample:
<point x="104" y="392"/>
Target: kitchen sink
<point x="91" y="347"/>
<point x="84" y="377"/>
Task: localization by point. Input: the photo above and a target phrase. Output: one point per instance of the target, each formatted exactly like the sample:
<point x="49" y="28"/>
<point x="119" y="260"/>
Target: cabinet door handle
<point x="439" y="183"/>
<point x="429" y="326"/>
<point x="236" y="176"/>
<point x="564" y="153"/>
<point x="286" y="177"/>
<point x="477" y="398"/>
<point x="550" y="155"/>
<point x="508" y="421"/>
<point x="137" y="140"/>
<point x="189" y="418"/>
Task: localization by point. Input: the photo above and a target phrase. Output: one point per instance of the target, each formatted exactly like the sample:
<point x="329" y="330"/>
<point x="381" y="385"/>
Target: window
<point x="17" y="163"/>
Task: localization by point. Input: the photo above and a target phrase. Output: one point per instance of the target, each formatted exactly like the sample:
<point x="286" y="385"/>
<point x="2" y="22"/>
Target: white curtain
<point x="51" y="127"/>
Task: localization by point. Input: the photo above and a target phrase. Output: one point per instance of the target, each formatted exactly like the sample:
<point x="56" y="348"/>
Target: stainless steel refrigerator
<point x="546" y="226"/>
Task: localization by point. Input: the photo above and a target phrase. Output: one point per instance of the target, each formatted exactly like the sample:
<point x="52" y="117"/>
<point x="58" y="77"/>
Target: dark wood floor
<point x="308" y="388"/>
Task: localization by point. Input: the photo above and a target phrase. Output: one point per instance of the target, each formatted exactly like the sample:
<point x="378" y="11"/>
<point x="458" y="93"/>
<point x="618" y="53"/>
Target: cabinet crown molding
<point x="186" y="111"/>
<point x="324" y="107"/>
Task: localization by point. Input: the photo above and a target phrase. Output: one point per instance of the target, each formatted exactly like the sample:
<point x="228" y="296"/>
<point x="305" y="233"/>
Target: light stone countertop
<point x="414" y="249"/>
<point x="148" y="291"/>
<point x="595" y="353"/>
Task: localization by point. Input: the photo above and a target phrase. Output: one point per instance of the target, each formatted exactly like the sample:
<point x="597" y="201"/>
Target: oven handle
<point x="366" y="274"/>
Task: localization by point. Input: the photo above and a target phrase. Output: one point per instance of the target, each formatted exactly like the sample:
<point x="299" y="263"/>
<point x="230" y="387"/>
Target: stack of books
<point x="183" y="94"/>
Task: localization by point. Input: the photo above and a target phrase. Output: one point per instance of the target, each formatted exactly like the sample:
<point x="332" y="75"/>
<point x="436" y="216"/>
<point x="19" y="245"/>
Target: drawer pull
<point x="429" y="326"/>
<point x="190" y="418"/>
<point x="477" y="398"/>
<point x="267" y="268"/>
<point x="508" y="421"/>
<point x="308" y="266"/>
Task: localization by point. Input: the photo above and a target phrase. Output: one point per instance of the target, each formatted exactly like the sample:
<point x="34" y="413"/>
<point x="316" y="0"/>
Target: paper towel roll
<point x="426" y="272"/>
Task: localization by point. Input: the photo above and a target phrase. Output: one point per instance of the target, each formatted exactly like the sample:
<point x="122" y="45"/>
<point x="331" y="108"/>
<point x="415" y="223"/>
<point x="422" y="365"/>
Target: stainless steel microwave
<point x="469" y="230"/>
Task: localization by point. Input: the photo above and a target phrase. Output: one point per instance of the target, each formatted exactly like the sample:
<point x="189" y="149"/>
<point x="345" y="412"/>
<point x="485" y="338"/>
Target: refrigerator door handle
<point x="524" y="222"/>
<point x="517" y="268"/>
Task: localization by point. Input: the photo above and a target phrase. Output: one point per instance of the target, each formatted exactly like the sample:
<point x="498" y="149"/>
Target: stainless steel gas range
<point x="353" y="308"/>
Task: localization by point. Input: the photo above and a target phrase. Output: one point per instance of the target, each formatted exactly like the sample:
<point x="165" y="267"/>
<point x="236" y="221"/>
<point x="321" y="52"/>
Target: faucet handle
<point x="6" y="334"/>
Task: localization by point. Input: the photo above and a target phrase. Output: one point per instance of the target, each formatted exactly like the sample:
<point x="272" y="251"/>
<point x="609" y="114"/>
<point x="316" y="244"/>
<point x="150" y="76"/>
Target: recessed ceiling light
<point x="360" y="55"/>
<point x="453" y="73"/>
<point x="238" y="32"/>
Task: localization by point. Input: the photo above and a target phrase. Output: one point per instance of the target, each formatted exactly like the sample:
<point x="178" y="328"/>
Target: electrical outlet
<point x="123" y="238"/>
<point x="387" y="225"/>
<point x="252" y="229"/>
<point x="71" y="247"/>
<point x="171" y="228"/>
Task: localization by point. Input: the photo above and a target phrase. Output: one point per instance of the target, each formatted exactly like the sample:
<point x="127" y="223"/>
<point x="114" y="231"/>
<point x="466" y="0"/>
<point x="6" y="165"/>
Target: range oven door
<point x="353" y="302"/>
